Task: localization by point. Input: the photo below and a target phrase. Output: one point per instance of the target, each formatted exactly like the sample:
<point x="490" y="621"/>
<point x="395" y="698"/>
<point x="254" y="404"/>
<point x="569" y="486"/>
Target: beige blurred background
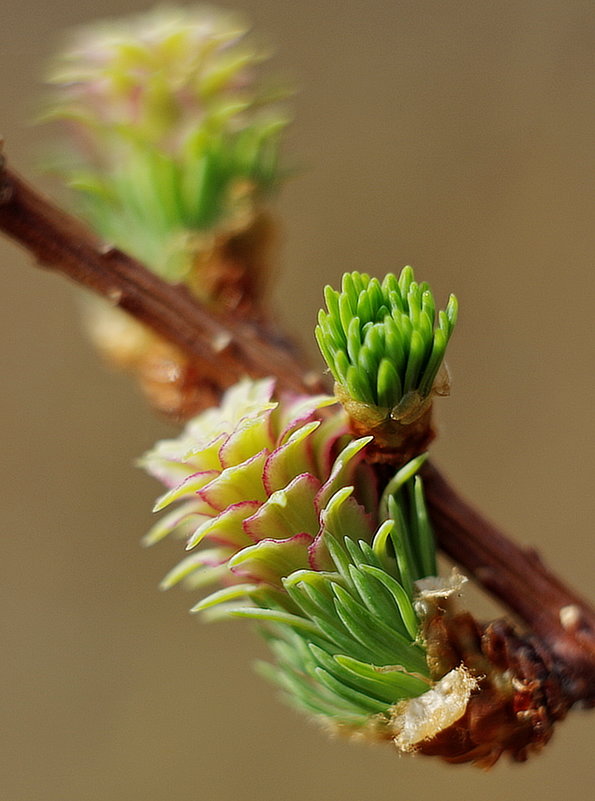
<point x="456" y="136"/>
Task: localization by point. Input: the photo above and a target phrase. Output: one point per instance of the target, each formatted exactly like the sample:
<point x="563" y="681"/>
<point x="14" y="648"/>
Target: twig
<point x="225" y="350"/>
<point x="562" y="620"/>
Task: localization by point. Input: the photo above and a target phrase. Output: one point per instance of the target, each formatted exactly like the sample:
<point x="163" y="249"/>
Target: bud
<point x="176" y="138"/>
<point x="269" y="494"/>
<point x="172" y="150"/>
<point x="384" y="343"/>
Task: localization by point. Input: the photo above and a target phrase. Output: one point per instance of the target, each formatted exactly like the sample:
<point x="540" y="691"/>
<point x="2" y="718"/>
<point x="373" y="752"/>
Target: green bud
<point x="384" y="341"/>
<point x="173" y="136"/>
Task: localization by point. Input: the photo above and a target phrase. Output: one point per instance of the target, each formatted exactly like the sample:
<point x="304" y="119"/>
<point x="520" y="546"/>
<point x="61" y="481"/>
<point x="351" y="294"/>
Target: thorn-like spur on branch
<point x="223" y="349"/>
<point x="562" y="620"/>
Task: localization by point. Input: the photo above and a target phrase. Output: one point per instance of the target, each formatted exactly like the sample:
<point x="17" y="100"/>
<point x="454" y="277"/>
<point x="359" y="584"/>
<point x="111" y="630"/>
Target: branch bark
<point x="225" y="350"/>
<point x="561" y="619"/>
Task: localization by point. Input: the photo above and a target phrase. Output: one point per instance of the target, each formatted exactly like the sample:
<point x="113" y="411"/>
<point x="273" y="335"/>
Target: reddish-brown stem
<point x="562" y="620"/>
<point x="224" y="349"/>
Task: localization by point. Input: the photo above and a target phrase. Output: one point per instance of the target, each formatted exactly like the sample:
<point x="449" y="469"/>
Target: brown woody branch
<point x="224" y="349"/>
<point x="561" y="619"/>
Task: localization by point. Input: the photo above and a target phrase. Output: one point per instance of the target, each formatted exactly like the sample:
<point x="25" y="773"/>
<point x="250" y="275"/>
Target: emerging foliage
<point x="384" y="341"/>
<point x="174" y="134"/>
<point x="275" y="487"/>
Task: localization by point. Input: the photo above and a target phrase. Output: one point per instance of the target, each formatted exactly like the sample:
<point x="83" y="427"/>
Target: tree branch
<point x="225" y="349"/>
<point x="562" y="620"/>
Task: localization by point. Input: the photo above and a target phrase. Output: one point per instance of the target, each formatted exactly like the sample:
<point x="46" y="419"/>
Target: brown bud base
<point x="397" y="440"/>
<point x="232" y="270"/>
<point x="518" y="699"/>
<point x="173" y="384"/>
